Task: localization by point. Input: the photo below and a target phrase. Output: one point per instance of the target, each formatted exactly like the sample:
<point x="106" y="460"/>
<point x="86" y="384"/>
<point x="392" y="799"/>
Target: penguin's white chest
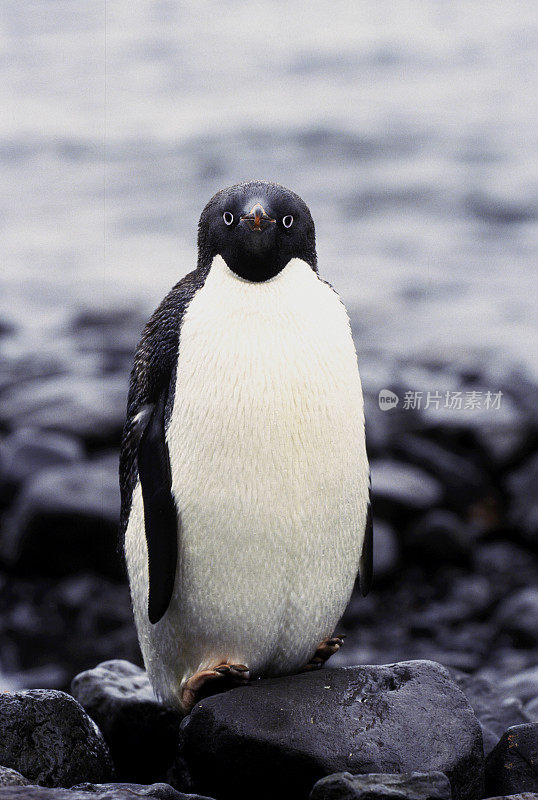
<point x="266" y="444"/>
<point x="269" y="472"/>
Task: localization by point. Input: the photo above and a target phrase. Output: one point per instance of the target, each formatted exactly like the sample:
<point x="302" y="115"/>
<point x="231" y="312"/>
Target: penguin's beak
<point x="257" y="218"/>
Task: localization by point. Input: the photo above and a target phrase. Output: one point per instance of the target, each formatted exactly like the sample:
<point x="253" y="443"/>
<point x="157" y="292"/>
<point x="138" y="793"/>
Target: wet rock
<point x="10" y="777"/>
<point x="48" y="738"/>
<point x="513" y="765"/>
<point x="531" y="710"/>
<point x="27" y="451"/>
<point x="402" y="489"/>
<point x="517" y="616"/>
<point x="523" y="685"/>
<point x="520" y="796"/>
<point x="386" y="550"/>
<point x="500" y="434"/>
<point x="495" y="709"/>
<point x="54" y="628"/>
<point x="142" y="733"/>
<point x="523" y="511"/>
<point x="397" y="718"/>
<point x="103" y="791"/>
<point x="463" y="482"/>
<point x="439" y="538"/>
<point x="92" y="409"/>
<point x="110" y="333"/>
<point x="469" y="596"/>
<point x="407" y="786"/>
<point x="66" y="520"/>
<point x="506" y="566"/>
<point x="22" y="370"/>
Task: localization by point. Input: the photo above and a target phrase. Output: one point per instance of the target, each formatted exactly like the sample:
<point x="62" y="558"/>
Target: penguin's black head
<point x="257" y="228"/>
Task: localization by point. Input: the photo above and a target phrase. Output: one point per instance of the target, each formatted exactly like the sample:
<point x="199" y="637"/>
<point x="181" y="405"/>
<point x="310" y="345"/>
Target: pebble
<point x="439" y="538"/>
<point x="65" y="520"/>
<point x="141" y="732"/>
<point x="105" y="791"/>
<point x="518" y="616"/>
<point x="89" y="408"/>
<point x="406" y="786"/>
<point x="402" y="489"/>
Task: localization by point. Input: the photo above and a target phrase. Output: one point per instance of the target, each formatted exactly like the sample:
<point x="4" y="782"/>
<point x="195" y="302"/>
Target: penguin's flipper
<point x="366" y="562"/>
<point x="161" y="518"/>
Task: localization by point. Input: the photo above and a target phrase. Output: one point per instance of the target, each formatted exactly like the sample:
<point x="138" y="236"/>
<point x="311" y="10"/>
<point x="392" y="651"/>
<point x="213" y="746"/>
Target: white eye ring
<point x="287" y="221"/>
<point x="228" y="217"/>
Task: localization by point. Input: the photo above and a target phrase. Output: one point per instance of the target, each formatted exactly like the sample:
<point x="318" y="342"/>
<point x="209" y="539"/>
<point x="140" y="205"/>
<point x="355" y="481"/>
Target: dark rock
<point x="386" y="550"/>
<point x="506" y="566"/>
<point x="92" y="409"/>
<point x="277" y="737"/>
<point x="407" y="786"/>
<point x="495" y="709"/>
<point x="468" y="596"/>
<point x="517" y="616"/>
<point x="523" y="511"/>
<point x="103" y="791"/>
<point x="531" y="710"/>
<point x="66" y="520"/>
<point x="500" y="434"/>
<point x="513" y="765"/>
<point x="48" y="737"/>
<point x="520" y="796"/>
<point x="55" y="628"/>
<point x="402" y="489"/>
<point x="439" y="538"/>
<point x="10" y="777"/>
<point x="27" y="451"/>
<point x="523" y="685"/>
<point x="110" y="334"/>
<point x="21" y="370"/>
<point x="142" y="733"/>
<point x="125" y="791"/>
<point x="463" y="482"/>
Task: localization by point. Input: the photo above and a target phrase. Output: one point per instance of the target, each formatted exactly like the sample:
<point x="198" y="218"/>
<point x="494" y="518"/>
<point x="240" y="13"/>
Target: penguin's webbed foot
<point x="326" y="649"/>
<point x="212" y="681"/>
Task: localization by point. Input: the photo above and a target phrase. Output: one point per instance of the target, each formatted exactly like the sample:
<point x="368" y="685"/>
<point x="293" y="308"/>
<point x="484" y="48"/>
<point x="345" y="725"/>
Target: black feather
<point x="161" y="520"/>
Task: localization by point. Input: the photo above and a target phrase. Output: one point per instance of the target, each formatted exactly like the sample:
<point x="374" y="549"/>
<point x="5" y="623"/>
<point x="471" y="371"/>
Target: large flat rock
<point x="277" y="737"/>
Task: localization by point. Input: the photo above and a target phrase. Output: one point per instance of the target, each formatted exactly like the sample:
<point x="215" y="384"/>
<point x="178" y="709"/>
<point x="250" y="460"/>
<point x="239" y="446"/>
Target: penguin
<point x="245" y="491"/>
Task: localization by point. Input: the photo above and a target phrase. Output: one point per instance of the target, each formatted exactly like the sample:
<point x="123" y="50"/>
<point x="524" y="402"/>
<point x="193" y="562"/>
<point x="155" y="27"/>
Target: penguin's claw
<point x="212" y="681"/>
<point x="326" y="649"/>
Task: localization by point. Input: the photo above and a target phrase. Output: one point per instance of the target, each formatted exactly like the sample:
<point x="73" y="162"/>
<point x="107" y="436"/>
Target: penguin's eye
<point x="228" y="217"/>
<point x="287" y="221"/>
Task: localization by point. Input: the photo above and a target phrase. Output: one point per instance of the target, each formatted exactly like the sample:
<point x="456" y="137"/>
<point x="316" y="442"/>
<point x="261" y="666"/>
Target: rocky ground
<point x="455" y="582"/>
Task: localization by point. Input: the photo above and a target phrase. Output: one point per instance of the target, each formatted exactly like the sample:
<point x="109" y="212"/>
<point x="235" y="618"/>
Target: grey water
<point x="409" y="129"/>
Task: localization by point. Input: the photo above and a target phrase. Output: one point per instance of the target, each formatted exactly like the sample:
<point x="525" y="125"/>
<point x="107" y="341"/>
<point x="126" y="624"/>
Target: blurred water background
<point x="409" y="128"/>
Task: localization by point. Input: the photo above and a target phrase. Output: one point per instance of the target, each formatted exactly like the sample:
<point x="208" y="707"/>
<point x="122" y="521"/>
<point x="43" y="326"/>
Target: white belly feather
<point x="269" y="473"/>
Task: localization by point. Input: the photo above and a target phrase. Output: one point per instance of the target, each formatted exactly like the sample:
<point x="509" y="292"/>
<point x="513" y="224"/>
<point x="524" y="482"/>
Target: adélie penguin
<point x="243" y="470"/>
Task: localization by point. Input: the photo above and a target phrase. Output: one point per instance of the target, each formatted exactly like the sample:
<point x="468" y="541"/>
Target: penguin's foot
<point x="212" y="681"/>
<point x="326" y="649"/>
